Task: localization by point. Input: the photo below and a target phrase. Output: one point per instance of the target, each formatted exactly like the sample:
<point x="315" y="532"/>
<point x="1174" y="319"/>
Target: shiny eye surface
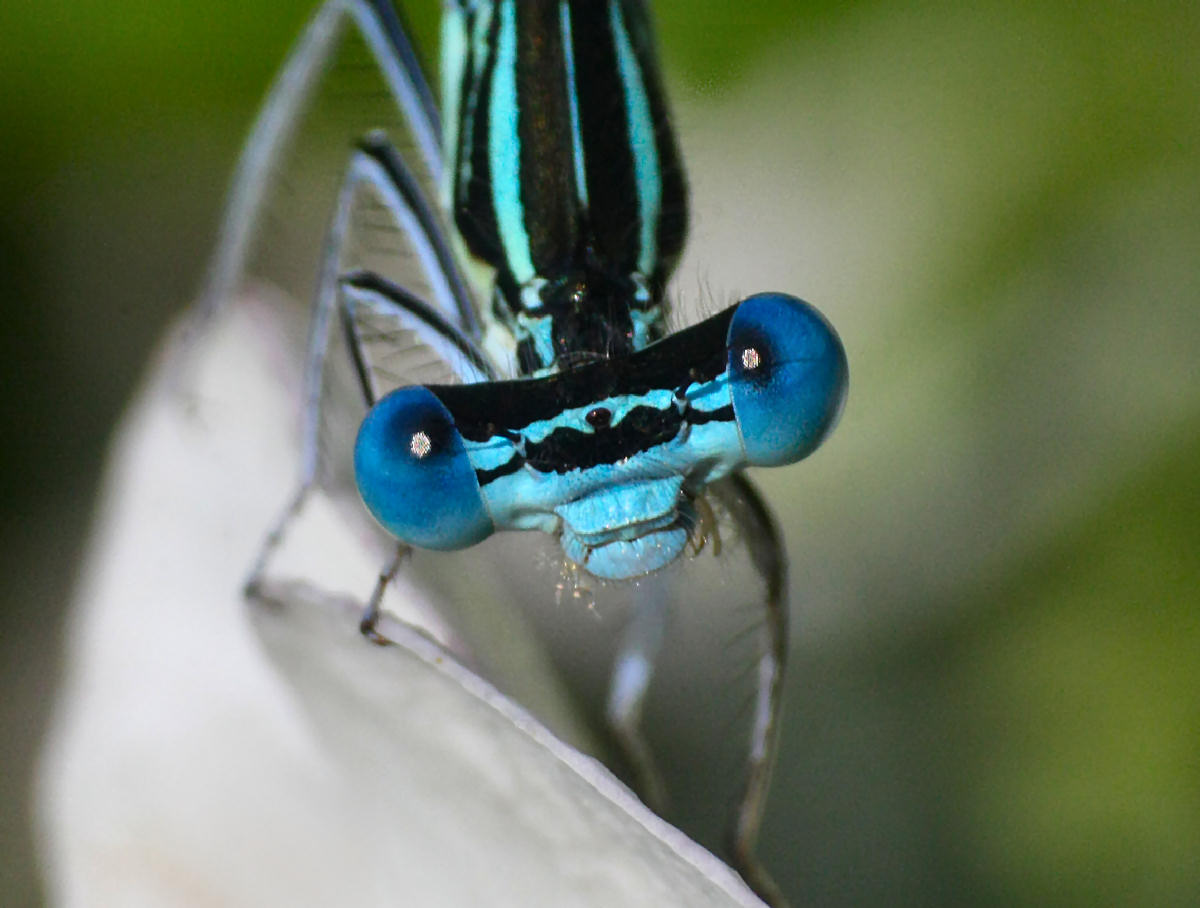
<point x="414" y="475"/>
<point x="788" y="377"/>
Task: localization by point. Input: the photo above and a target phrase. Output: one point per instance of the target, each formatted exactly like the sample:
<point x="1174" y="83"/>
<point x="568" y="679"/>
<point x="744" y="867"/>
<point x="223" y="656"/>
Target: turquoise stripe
<point x="454" y="60"/>
<point x="642" y="141"/>
<point x="573" y="101"/>
<point x="504" y="149"/>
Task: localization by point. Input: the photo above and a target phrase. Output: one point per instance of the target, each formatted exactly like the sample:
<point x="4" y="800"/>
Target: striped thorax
<point x="563" y="174"/>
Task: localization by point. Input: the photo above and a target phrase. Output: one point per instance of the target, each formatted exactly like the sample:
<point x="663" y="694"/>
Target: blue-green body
<point x="563" y="178"/>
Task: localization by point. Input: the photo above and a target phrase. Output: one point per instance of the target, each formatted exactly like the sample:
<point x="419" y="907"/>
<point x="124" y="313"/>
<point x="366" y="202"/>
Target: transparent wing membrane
<point x="351" y="73"/>
<point x="399" y="340"/>
<point x="390" y="228"/>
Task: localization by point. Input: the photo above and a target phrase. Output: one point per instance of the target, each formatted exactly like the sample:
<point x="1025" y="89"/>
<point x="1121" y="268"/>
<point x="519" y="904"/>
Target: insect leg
<point x="633" y="670"/>
<point x="766" y="551"/>
<point x="370" y="616"/>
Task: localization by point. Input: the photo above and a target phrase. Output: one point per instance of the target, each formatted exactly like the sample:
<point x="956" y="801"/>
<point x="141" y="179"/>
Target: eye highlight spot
<point x="420" y="445"/>
<point x="751" y="359"/>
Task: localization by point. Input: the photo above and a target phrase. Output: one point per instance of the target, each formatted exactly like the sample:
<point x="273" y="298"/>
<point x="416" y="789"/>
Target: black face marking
<point x="696" y="354"/>
<point x="510" y="466"/>
<point x="567" y="448"/>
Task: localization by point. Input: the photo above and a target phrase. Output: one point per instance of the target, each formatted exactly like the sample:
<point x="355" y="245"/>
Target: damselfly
<point x="553" y="399"/>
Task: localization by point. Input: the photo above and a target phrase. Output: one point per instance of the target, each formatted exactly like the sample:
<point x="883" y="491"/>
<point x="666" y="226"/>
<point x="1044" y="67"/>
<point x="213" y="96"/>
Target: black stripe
<point x="474" y="213"/>
<point x="694" y="417"/>
<point x="604" y="127"/>
<point x="547" y="175"/>
<point x="361" y="372"/>
<point x="512" y="465"/>
<point x="673" y="217"/>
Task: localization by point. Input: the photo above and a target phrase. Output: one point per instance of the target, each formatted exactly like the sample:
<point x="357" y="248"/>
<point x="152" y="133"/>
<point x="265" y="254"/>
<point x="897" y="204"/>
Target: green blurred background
<point x="997" y="656"/>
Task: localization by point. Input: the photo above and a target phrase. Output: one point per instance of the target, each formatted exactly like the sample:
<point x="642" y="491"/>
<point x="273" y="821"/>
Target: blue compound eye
<point x="788" y="377"/>
<point x="414" y="475"/>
